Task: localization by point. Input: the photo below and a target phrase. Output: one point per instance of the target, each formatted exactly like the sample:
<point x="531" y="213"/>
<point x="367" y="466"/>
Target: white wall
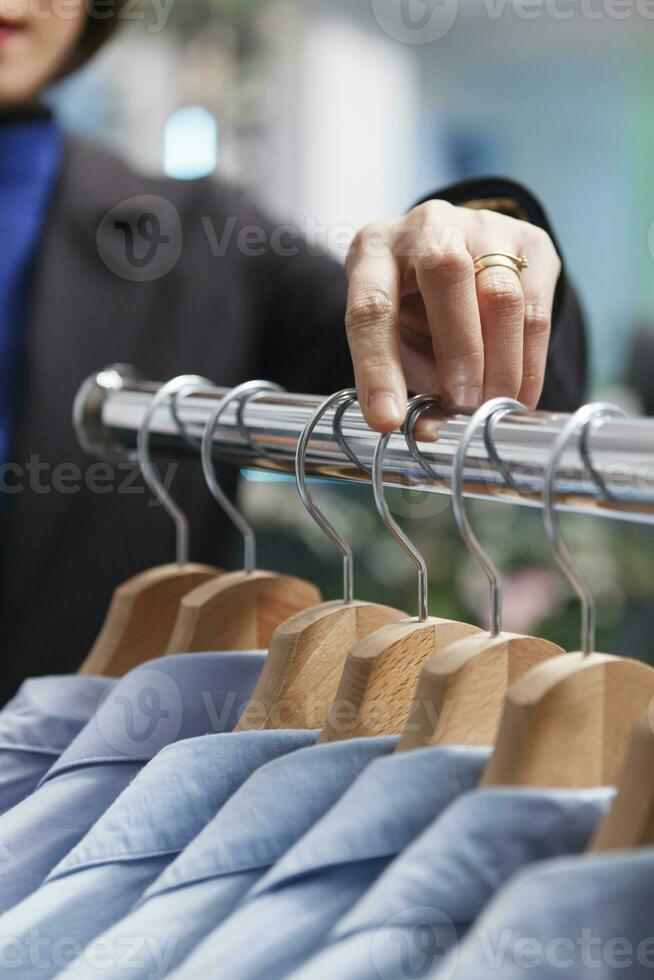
<point x="346" y="122"/>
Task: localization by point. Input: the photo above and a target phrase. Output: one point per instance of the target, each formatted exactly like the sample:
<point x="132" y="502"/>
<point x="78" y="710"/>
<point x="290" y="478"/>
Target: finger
<point x="445" y="276"/>
<point x="416" y="346"/>
<point x="502" y="310"/>
<point x="372" y="323"/>
<point x="539" y="285"/>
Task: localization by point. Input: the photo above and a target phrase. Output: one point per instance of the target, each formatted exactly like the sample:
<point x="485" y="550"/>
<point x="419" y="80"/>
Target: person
<point x="103" y="265"/>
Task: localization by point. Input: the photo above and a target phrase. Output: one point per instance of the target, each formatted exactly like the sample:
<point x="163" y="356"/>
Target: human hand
<point x="418" y="317"/>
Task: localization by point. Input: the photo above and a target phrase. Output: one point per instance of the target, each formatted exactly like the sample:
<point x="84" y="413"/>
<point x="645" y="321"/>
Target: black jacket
<point x="230" y="316"/>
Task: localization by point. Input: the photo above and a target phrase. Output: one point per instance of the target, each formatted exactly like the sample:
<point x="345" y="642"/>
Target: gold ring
<point x="515" y="262"/>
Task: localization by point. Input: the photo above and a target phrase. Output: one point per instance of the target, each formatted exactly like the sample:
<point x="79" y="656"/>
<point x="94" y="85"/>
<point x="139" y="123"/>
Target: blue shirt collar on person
<point x="31" y="153"/>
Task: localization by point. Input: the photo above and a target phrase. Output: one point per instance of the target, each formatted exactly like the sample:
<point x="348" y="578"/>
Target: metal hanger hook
<point x="206" y="454"/>
<point x="148" y="470"/>
<point x="498" y="462"/>
<point x="415" y="408"/>
<point x="587" y="456"/>
<point x="342" y="408"/>
<point x="240" y="418"/>
<point x="348" y="395"/>
<point x="395" y="530"/>
<point x="482" y="416"/>
<point x="575" y="426"/>
<point x="191" y="441"/>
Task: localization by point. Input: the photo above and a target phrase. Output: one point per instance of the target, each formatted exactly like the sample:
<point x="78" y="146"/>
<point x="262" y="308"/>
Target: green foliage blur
<point x="615" y="556"/>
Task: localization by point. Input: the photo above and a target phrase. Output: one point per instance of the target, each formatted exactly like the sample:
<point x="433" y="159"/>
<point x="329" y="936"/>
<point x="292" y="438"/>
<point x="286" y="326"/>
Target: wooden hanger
<point x="307" y="652"/>
<point x="567" y="722"/>
<point x="461" y="691"/>
<point x="141" y="618"/>
<point x="240" y="610"/>
<point x="630" y="820"/>
<point x="142" y="613"/>
<point x="381" y="672"/>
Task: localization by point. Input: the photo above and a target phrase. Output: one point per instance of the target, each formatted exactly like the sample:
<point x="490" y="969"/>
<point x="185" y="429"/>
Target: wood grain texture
<point x="630" y="821"/>
<point x="381" y="672"/>
<point x="568" y="721"/>
<point x="238" y="611"/>
<point x="461" y="692"/>
<point x="141" y="618"/>
<point x="305" y="662"/>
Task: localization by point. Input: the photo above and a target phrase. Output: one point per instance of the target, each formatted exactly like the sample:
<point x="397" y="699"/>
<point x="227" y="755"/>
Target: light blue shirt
<point x="38" y="724"/>
<point x="159" y="703"/>
<point x="431" y="894"/>
<point x="168" y="803"/>
<point x="260" y="822"/>
<point x="287" y="914"/>
<point x="584" y="918"/>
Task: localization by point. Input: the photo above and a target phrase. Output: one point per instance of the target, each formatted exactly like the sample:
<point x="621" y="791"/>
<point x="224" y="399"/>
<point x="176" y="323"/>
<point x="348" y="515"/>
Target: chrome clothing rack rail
<point x="619" y="482"/>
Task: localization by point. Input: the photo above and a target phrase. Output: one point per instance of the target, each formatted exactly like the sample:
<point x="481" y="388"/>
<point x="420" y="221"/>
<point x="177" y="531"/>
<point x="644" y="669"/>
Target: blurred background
<point x="337" y="112"/>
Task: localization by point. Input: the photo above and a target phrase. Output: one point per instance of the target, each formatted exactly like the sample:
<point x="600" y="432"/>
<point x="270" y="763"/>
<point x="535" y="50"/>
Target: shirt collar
<point x="31" y="152"/>
<point x="276" y="805"/>
<point x="480" y="841"/>
<point x="161" y="702"/>
<point x="387" y="806"/>
<point x="174" y="796"/>
<point x="48" y="712"/>
<point x="558" y="900"/>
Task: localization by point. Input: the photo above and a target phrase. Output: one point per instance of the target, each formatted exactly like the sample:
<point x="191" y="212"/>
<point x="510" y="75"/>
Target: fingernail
<point x="467" y="397"/>
<point x="427" y="430"/>
<point x="383" y="408"/>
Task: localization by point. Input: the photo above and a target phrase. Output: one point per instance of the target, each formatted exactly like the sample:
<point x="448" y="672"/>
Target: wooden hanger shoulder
<point x="461" y="691"/>
<point x="381" y="673"/>
<point x="305" y="662"/>
<point x="567" y="722"/>
<point x="630" y="820"/>
<point x="238" y="611"/>
<point x="141" y="617"/>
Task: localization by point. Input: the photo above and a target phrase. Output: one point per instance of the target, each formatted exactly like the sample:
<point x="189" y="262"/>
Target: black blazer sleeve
<point x="305" y="344"/>
<point x="566" y="374"/>
<point x="226" y="308"/>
